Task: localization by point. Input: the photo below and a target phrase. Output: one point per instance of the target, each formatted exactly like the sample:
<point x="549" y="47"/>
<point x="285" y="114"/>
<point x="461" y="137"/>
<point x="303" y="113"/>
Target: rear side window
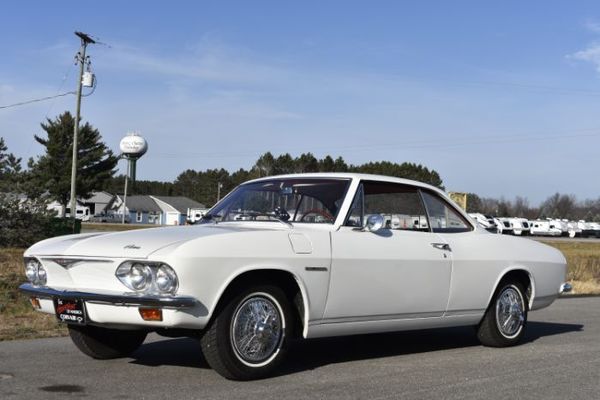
<point x="442" y="217"/>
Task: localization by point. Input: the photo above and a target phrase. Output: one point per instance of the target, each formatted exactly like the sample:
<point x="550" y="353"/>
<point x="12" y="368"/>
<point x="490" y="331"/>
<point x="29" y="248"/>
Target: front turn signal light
<point x="151" y="314"/>
<point x="35" y="302"/>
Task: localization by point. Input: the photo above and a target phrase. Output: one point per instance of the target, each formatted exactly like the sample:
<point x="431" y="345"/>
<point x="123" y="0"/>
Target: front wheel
<point x="504" y="322"/>
<point x="104" y="343"/>
<point x="247" y="338"/>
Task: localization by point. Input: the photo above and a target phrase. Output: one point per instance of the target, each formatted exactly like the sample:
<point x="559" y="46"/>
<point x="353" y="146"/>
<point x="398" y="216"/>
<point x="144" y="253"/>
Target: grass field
<point x="18" y="320"/>
<point x="106" y="227"/>
<point x="583" y="260"/>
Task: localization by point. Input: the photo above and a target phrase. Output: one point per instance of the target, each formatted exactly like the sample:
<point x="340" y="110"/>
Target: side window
<point x="400" y="206"/>
<point x="355" y="216"/>
<point x="442" y="217"/>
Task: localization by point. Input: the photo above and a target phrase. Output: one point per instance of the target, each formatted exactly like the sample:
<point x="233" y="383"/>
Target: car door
<point x="401" y="271"/>
<point x="476" y="261"/>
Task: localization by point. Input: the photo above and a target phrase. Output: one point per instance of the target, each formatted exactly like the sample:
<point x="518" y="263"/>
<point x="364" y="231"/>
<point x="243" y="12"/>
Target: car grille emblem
<point x="132" y="246"/>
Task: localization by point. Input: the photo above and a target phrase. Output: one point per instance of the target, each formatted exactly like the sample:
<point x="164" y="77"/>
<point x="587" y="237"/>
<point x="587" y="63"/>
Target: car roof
<point x="350" y="175"/>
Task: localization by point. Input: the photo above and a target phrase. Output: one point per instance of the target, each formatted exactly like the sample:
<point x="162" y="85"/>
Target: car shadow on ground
<point x="311" y="354"/>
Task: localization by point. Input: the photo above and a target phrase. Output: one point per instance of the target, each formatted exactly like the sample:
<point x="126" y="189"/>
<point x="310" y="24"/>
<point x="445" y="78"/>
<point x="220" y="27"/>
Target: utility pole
<point x="79" y="58"/>
<point x="219" y="186"/>
<point x="125" y="192"/>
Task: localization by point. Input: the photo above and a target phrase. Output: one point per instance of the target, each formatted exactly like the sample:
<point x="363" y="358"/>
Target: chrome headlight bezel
<point x="148" y="277"/>
<point x="35" y="272"/>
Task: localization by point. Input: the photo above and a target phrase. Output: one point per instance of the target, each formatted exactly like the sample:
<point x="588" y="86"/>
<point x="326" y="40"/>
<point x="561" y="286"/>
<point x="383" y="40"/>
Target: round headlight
<point x="166" y="279"/>
<point x="31" y="271"/>
<point x="41" y="275"/>
<point x="140" y="276"/>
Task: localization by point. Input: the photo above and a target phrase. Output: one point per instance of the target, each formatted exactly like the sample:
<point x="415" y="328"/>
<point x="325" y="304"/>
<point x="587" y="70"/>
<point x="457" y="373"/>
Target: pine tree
<point x="10" y="169"/>
<point x="52" y="171"/>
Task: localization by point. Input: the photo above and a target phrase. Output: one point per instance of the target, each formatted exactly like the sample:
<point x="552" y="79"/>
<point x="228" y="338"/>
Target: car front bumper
<point x="122" y="310"/>
<point x="110" y="298"/>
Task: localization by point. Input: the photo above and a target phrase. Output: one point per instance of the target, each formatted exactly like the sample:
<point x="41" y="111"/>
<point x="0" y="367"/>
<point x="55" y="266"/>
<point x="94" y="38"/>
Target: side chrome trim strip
<point x="386" y="317"/>
<point x="457" y="313"/>
<point x="114" y="299"/>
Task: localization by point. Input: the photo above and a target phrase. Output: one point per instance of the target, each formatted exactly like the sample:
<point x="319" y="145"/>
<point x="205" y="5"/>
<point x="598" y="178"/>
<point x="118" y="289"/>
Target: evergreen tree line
<point x="202" y="186"/>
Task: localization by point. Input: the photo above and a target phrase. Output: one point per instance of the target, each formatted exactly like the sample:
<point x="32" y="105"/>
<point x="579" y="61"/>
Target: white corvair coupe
<point x="307" y="256"/>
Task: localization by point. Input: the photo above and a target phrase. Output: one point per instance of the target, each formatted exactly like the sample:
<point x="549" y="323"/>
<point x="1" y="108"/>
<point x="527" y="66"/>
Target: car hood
<point x="130" y="244"/>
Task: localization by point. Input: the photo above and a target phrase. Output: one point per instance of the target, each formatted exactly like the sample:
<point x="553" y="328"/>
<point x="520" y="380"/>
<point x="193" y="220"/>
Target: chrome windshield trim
<point x="123" y="299"/>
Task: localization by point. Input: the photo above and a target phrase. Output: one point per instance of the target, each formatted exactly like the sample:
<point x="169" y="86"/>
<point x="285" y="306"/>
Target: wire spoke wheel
<point x="249" y="334"/>
<point x="510" y="312"/>
<point x="257" y="329"/>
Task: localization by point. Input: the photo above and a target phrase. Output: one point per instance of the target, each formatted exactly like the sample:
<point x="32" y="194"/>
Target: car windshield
<point x="306" y="200"/>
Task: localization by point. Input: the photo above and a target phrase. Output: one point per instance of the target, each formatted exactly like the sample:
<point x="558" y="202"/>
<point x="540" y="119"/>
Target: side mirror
<point x="374" y="223"/>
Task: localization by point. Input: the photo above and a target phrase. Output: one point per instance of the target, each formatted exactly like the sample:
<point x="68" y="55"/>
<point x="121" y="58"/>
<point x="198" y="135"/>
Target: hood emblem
<point x="132" y="246"/>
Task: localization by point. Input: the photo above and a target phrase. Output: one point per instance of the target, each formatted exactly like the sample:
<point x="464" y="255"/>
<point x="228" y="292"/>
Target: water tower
<point x="132" y="146"/>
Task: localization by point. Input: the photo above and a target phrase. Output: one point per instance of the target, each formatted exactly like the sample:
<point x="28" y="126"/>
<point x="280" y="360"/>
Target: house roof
<point x="99" y="197"/>
<point x="142" y="204"/>
<point x="180" y="203"/>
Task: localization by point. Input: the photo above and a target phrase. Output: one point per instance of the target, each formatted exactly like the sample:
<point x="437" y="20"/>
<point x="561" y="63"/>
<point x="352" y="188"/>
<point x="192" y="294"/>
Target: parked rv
<point x="544" y="228"/>
<point x="81" y="212"/>
<point x="560" y="224"/>
<point x="484" y="221"/>
<point x="504" y="226"/>
<point x="590" y="229"/>
<point x="520" y="226"/>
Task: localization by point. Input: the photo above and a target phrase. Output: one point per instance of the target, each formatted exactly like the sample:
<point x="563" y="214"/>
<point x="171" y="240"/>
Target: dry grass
<point x="583" y="261"/>
<point x="110" y="227"/>
<point x="18" y="320"/>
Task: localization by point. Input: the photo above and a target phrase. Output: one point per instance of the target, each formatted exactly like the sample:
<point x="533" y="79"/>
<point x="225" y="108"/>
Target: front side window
<point x="138" y="217"/>
<point x="400" y="205"/>
<point x="305" y="200"/>
<point x="442" y="217"/>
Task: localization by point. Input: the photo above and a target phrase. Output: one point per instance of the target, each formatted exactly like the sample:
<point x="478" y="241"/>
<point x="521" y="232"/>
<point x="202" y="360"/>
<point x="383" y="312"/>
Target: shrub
<point x="24" y="222"/>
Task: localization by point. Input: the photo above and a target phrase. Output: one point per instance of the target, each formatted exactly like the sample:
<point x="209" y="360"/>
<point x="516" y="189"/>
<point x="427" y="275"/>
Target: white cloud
<point x="592" y="26"/>
<point x="207" y="61"/>
<point x="590" y="54"/>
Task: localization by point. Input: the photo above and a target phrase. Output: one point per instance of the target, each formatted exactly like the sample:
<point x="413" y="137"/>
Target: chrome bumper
<point x="114" y="299"/>
<point x="565" y="288"/>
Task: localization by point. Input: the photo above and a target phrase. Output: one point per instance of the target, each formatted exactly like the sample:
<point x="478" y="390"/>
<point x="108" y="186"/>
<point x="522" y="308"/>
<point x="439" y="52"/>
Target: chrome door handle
<point x="442" y="246"/>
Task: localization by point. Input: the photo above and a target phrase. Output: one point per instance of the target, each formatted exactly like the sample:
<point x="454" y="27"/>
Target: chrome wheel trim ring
<point x="257" y="329"/>
<point x="510" y="312"/>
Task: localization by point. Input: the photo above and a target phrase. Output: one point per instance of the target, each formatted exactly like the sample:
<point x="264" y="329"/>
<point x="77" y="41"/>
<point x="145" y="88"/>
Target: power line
<point x="35" y="100"/>
<point x="62" y="83"/>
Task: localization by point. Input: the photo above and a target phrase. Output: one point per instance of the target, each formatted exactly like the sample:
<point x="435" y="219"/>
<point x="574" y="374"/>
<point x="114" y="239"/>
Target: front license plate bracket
<point x="70" y="311"/>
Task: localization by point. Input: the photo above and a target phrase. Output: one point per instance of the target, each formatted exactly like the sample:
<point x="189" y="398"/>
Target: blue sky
<point x="501" y="99"/>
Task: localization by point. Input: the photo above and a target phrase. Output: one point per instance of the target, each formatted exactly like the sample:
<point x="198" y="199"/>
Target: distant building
<point x="177" y="208"/>
<point x="156" y="210"/>
<point x="98" y="202"/>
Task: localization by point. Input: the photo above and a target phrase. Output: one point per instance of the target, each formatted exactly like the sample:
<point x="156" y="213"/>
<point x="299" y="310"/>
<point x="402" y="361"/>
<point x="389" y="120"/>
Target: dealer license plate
<point x="70" y="311"/>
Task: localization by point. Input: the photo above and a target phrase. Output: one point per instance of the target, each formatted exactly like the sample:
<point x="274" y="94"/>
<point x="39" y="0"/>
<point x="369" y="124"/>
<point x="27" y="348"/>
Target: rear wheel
<point x="504" y="322"/>
<point x="248" y="336"/>
<point x="104" y="343"/>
